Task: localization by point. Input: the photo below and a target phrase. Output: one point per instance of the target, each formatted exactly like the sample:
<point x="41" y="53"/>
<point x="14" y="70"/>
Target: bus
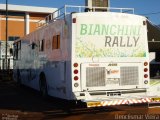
<point x="3" y="66"/>
<point x="100" y="58"/>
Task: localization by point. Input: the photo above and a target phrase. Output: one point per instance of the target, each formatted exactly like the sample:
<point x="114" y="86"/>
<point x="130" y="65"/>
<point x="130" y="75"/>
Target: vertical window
<point x="15" y="51"/>
<point x="13" y="38"/>
<point x="19" y="45"/>
<point x="41" y="45"/>
<point x="56" y="42"/>
<point x="17" y="48"/>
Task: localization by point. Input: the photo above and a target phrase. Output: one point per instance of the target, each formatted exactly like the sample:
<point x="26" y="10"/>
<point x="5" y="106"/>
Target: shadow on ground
<point x="28" y="101"/>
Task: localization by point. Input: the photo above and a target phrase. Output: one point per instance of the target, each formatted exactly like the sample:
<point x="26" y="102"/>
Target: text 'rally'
<point x="120" y="41"/>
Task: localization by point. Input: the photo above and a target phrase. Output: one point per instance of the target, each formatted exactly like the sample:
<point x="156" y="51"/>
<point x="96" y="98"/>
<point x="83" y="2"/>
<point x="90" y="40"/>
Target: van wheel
<point x="43" y="87"/>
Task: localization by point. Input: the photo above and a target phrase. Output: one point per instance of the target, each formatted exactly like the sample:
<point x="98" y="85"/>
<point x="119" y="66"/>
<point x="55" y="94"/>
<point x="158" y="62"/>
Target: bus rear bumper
<point x="110" y="98"/>
<point x="121" y="102"/>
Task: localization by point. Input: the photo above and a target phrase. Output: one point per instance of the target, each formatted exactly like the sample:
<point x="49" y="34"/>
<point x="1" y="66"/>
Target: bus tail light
<point x="76" y="74"/>
<point x="74" y="20"/>
<point x="145" y="63"/>
<point x="75" y="71"/>
<point x="75" y="64"/>
<point x="145" y="76"/>
<point x="145" y="72"/>
<point x="76" y="78"/>
<point x="145" y="69"/>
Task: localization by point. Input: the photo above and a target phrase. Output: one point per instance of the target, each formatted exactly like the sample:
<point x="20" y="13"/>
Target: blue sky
<point x="149" y="7"/>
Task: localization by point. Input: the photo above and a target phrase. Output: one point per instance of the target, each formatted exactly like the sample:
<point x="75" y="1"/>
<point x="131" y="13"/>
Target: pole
<point x="6" y="61"/>
<point x="0" y="56"/>
<point x="109" y="3"/>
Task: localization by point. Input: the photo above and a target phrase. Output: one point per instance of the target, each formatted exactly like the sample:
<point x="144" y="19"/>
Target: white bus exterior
<point x="100" y="58"/>
<point x="9" y="55"/>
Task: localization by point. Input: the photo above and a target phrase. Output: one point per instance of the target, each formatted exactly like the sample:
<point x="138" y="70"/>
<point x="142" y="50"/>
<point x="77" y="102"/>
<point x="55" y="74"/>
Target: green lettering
<point x="120" y="30"/>
<point x="133" y="30"/>
<point x="97" y="29"/>
<point x="90" y="29"/>
<point x="139" y="29"/>
<point x="83" y="29"/>
<point x="112" y="30"/>
<point x="104" y="30"/>
<point x="126" y="30"/>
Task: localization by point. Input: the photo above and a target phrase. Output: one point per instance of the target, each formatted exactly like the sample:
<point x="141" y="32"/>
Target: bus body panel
<point x="111" y="50"/>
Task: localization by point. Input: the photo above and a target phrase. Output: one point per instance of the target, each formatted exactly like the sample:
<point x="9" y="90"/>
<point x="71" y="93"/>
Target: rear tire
<point x="43" y="87"/>
<point x="19" y="81"/>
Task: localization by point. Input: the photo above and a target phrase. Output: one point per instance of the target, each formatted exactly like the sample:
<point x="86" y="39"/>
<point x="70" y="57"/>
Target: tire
<point x="43" y="87"/>
<point x="19" y="81"/>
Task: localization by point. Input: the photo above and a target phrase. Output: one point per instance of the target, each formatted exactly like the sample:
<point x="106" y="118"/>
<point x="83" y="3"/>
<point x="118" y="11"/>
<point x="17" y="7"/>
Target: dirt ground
<point x="22" y="103"/>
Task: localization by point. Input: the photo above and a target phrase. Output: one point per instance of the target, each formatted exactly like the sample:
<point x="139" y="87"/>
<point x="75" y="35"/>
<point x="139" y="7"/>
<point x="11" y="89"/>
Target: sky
<point x="148" y="8"/>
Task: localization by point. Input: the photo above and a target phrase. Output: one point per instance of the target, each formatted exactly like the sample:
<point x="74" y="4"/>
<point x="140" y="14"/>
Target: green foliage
<point x="87" y="49"/>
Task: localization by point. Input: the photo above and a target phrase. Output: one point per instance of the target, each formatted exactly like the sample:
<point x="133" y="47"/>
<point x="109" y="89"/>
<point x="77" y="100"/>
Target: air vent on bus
<point x="129" y="75"/>
<point x="95" y="76"/>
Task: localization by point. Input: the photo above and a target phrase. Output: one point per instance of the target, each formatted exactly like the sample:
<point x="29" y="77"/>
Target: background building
<point x="154" y="49"/>
<point x="97" y="3"/>
<point x="21" y="21"/>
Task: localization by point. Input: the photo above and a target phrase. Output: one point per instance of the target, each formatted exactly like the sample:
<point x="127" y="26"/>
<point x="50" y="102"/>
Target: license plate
<point x="155" y="99"/>
<point x="93" y="104"/>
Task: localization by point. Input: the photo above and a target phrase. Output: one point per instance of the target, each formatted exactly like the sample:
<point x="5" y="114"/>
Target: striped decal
<point x="123" y="102"/>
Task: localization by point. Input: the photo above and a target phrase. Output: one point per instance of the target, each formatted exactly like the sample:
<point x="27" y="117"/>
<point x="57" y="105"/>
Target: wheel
<point x="43" y="87"/>
<point x="19" y="81"/>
